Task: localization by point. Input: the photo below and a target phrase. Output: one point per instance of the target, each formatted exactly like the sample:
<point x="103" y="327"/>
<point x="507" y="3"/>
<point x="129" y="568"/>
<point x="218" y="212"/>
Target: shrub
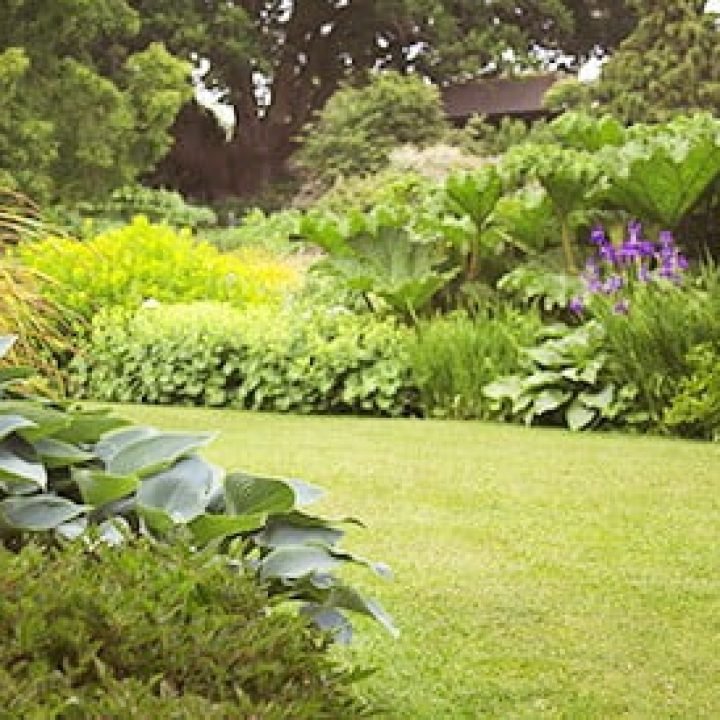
<point x="359" y="126"/>
<point x="210" y="354"/>
<point x="453" y="358"/>
<point x="68" y="473"/>
<point x="257" y="230"/>
<point x="140" y="261"/>
<point x="155" y="631"/>
<point x="695" y="410"/>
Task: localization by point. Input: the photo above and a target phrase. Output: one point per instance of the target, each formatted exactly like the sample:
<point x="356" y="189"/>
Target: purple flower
<point x="612" y="284"/>
<point x="576" y="306"/>
<point x="621" y="307"/>
<point x="666" y="238"/>
<point x="598" y="236"/>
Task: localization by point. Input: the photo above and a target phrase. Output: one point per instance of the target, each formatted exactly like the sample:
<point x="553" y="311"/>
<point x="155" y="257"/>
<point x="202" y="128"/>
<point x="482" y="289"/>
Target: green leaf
<point x="510" y="387"/>
<point x="207" y="527"/>
<point x="305" y="493"/>
<point x="600" y="400"/>
<point x="12" y="423"/>
<point x="20" y="464"/>
<point x="148" y="455"/>
<point x="549" y="400"/>
<point x="282" y="531"/>
<point x="249" y="495"/>
<point x="47" y="421"/>
<point x="349" y="599"/>
<point x="88" y="426"/>
<point x="38" y="512"/>
<point x="292" y="562"/>
<point x="57" y="454"/>
<point x="578" y="416"/>
<point x="97" y="487"/>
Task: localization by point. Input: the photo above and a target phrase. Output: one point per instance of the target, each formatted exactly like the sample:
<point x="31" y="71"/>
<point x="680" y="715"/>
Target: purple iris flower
<point x="622" y="307"/>
<point x="598" y="236"/>
<point x="576" y="305"/>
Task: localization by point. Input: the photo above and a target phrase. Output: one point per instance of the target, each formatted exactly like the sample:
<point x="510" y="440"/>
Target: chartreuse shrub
<point x="141" y="261"/>
<point x="454" y="357"/>
<point x="153" y="631"/>
<point x="69" y="473"/>
<point x="262" y="359"/>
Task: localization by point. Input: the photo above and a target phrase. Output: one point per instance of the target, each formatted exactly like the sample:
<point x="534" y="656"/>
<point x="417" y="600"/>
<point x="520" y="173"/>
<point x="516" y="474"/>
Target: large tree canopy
<point x="81" y="112"/>
<point x="670" y="64"/>
<point x="280" y="60"/>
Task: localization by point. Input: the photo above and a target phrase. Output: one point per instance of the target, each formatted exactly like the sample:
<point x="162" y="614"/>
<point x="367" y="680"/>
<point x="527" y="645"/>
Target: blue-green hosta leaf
<point x="329" y="619"/>
<point x="87" y="426"/>
<point x="208" y="527"/>
<point x="550" y="399"/>
<point x="592" y="370"/>
<point x="345" y="597"/>
<point x="510" y="387"/>
<point x="115" y="441"/>
<point x="20" y="464"/>
<point x="6" y="343"/>
<point x="98" y="487"/>
<point x="249" y="495"/>
<point x="57" y="454"/>
<point x="600" y="400"/>
<point x="47" y="421"/>
<point x="72" y="529"/>
<point x="548" y="355"/>
<point x="292" y="562"/>
<point x="151" y="454"/>
<point x="12" y="423"/>
<point x="305" y="493"/>
<point x="578" y="416"/>
<point x="38" y="512"/>
<point x="282" y="531"/>
<point x="181" y="492"/>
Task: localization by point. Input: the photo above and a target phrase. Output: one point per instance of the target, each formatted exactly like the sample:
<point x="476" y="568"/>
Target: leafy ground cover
<point x="540" y="574"/>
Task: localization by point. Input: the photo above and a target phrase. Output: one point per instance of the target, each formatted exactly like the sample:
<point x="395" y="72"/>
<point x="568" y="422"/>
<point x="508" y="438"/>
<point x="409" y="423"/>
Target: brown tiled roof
<point x="497" y="97"/>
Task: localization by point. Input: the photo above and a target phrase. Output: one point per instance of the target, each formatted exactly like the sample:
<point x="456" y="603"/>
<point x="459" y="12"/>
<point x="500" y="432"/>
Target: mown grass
<point x="539" y="574"/>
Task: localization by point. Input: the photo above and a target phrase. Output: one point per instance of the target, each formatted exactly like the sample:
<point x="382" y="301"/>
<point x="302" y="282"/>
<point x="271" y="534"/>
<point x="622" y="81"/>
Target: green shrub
<point x="140" y="261"/>
<point x="210" y="354"/>
<point x="69" y="473"/>
<point x="148" y="631"/>
<point x="695" y="410"/>
<point x="257" y="229"/>
<point x="453" y="358"/>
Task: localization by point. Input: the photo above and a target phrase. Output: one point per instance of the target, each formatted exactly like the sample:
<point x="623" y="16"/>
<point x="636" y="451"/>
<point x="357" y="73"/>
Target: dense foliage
<point x="141" y="261"/>
<point x="86" y="108"/>
<point x="298" y="360"/>
<point x="68" y="473"/>
<point x="150" y="631"/>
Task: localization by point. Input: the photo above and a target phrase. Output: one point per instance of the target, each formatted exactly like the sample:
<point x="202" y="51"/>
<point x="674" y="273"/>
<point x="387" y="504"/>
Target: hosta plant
<point x="68" y="473"/>
<point x="564" y="382"/>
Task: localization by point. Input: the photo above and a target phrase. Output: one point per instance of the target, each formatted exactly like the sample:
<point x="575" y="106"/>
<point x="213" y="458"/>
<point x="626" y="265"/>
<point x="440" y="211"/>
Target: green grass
<point x="539" y="574"/>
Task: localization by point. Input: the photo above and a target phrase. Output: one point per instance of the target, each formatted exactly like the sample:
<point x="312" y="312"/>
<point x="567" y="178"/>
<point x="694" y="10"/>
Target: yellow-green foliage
<point x="141" y="261"/>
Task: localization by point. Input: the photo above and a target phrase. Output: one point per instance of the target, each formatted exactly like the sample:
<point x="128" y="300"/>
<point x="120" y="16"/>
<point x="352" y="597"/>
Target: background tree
<point x="670" y="64"/>
<point x="278" y="62"/>
<point x="83" y="112"/>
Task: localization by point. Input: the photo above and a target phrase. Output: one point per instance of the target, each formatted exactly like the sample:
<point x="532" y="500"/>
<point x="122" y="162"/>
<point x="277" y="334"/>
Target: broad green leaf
<point x="89" y="426"/>
<point x="12" y="423"/>
<point x="181" y="492"/>
<point x="329" y="619"/>
<point x="207" y="527"/>
<point x="282" y="531"/>
<point x="510" y="386"/>
<point x="305" y="493"/>
<point x="549" y="400"/>
<point x="345" y="597"/>
<point x="115" y="441"/>
<point x="98" y="488"/>
<point x="578" y="416"/>
<point x="293" y="562"/>
<point x="151" y="454"/>
<point x="20" y="464"/>
<point x="474" y="194"/>
<point x="56" y="454"/>
<point x="38" y="512"/>
<point x="600" y="400"/>
<point x="249" y="495"/>
<point x="47" y="421"/>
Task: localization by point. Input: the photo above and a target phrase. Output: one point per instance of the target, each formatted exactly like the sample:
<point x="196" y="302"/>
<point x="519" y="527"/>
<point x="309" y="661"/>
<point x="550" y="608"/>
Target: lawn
<point x="539" y="574"/>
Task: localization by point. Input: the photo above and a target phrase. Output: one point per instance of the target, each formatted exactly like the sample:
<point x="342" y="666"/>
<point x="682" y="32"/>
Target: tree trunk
<point x="205" y="166"/>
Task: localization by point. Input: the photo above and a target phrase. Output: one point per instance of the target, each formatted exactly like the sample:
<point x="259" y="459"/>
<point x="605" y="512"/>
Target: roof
<point x="497" y="97"/>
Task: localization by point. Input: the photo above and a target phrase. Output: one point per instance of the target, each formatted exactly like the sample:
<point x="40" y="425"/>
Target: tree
<point x="84" y="109"/>
<point x="358" y="127"/>
<point x="669" y="65"/>
<point x="278" y="62"/>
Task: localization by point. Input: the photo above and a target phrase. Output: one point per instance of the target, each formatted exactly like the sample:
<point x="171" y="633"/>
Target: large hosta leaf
<point x="98" y="487"/>
<point x="578" y="416"/>
<point x="148" y="455"/>
<point x="46" y="420"/>
<point x="294" y="530"/>
<point x="209" y="527"/>
<point x="56" y="454"/>
<point x="248" y="495"/>
<point x="87" y="426"/>
<point x="6" y="343"/>
<point x="38" y="512"/>
<point x="12" y="423"/>
<point x="20" y="464"/>
<point x="292" y="562"/>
